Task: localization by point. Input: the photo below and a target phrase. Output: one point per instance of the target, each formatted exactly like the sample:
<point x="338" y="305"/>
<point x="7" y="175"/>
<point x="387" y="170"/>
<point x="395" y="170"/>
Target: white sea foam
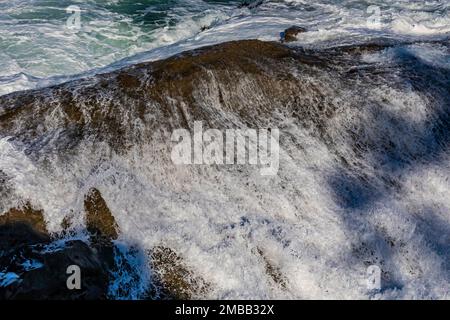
<point x="43" y="52"/>
<point x="217" y="219"/>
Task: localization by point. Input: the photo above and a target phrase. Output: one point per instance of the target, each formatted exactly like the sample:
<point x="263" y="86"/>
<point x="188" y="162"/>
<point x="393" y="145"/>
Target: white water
<point x="217" y="218"/>
<point x="38" y="49"/>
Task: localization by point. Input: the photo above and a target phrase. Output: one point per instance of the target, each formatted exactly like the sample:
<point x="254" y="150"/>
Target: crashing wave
<point x="363" y="177"/>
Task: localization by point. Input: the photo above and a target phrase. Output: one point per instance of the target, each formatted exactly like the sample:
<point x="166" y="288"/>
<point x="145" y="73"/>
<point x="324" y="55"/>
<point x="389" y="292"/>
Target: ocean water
<point x="375" y="191"/>
<point x="48" y="41"/>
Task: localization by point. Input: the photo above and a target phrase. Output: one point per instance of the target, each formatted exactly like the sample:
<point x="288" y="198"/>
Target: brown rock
<point x="41" y="273"/>
<point x="166" y="89"/>
<point x="99" y="220"/>
<point x="47" y="279"/>
<point x="290" y="34"/>
<point x="25" y="215"/>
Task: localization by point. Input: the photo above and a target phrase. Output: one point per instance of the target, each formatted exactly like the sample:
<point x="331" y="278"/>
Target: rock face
<point x="146" y="92"/>
<point x="34" y="264"/>
<point x="272" y="270"/>
<point x="44" y="275"/>
<point x="251" y="4"/>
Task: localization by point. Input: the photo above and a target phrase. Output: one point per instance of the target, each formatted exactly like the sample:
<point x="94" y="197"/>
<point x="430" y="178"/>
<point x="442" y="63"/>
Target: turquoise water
<point x="41" y="39"/>
<point x="35" y="39"/>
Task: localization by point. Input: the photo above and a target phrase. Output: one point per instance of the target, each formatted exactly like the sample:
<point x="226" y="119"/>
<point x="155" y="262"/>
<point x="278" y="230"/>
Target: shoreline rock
<point x="40" y="272"/>
<point x="242" y="84"/>
<point x="290" y="34"/>
<point x="36" y="272"/>
<point x="173" y="278"/>
<point x="100" y="223"/>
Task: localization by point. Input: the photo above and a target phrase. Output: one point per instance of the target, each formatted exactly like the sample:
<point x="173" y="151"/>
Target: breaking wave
<point x="38" y="49"/>
<point x="363" y="177"/>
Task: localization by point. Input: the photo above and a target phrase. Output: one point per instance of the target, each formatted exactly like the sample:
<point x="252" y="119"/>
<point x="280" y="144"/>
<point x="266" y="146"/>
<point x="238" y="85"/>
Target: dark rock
<point x="26" y="215"/>
<point x="291" y="33"/>
<point x="251" y="4"/>
<point x="40" y="270"/>
<point x="165" y="90"/>
<point x="272" y="270"/>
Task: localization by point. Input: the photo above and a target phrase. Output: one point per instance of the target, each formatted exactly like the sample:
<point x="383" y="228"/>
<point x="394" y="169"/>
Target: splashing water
<point x="364" y="166"/>
<point x="39" y="48"/>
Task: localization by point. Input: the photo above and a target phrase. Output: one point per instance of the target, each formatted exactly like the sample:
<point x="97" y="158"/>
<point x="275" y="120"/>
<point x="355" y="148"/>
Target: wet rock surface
<point x="251" y="4"/>
<point x="329" y="98"/>
<point x="290" y="34"/>
<point x="25" y="216"/>
<point x="34" y="264"/>
<point x="100" y="222"/>
<point x="37" y="262"/>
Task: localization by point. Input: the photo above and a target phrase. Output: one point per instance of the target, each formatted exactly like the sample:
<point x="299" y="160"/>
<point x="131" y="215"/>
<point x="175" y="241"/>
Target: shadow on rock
<point x="37" y="265"/>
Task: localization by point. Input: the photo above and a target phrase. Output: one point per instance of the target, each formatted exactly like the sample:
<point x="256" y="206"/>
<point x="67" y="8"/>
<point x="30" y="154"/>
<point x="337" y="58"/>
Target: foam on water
<point x="217" y="220"/>
<point x="38" y="50"/>
<point x="37" y="44"/>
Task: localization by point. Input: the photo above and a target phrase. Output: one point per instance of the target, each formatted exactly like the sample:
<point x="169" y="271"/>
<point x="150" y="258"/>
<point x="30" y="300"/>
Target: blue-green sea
<point x="45" y="41"/>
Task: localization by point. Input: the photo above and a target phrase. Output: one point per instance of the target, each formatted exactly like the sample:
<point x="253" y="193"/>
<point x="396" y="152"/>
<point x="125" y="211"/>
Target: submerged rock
<point x="272" y="270"/>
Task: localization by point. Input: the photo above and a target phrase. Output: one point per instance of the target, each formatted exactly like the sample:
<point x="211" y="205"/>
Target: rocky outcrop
<point x="342" y="124"/>
<point x="156" y="90"/>
<point x="251" y="4"/>
<point x="25" y="215"/>
<point x="36" y="262"/>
